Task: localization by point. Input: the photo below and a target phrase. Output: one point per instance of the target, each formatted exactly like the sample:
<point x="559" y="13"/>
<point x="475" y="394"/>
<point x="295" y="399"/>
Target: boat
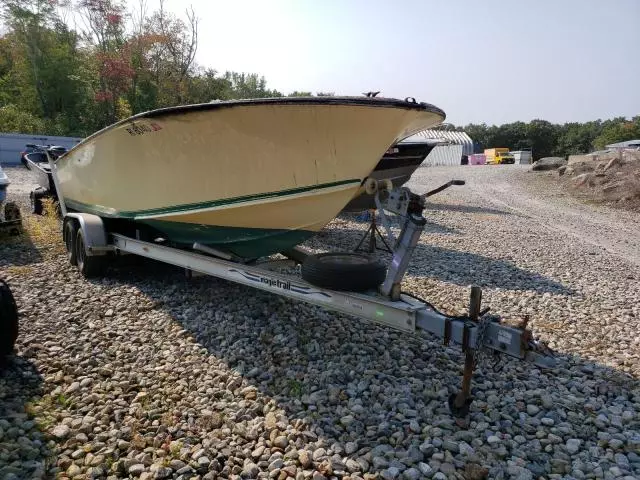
<point x="248" y="177"/>
<point x="35" y="160"/>
<point x="397" y="165"/>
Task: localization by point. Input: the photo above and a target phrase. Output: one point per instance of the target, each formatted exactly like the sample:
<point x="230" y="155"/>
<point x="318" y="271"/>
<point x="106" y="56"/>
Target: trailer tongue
<point x="89" y="239"/>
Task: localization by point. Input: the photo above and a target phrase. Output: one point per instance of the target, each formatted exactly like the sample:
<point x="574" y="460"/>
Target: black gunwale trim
<point x="380" y="102"/>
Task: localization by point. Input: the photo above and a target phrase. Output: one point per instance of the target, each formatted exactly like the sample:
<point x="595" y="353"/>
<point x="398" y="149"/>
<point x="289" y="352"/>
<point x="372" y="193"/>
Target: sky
<point x="492" y="61"/>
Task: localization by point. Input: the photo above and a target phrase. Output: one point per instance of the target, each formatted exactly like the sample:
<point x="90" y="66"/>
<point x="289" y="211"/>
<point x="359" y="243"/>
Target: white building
<point x="452" y="146"/>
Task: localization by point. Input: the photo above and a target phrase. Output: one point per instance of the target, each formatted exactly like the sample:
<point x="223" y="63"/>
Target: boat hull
<point x="38" y="164"/>
<point x="252" y="177"/>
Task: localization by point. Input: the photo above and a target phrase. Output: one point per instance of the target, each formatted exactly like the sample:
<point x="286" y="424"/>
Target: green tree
<point x="619" y="131"/>
<point x="15" y="120"/>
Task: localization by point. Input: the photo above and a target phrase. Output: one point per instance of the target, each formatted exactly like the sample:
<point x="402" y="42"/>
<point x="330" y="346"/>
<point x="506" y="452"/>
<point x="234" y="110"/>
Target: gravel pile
<point x="144" y="374"/>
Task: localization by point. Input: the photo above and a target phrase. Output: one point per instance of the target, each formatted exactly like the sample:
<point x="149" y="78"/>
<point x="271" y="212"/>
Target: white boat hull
<point x="237" y="172"/>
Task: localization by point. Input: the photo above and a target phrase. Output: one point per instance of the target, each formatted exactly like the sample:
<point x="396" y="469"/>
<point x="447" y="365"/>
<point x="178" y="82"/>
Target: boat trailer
<point x="479" y="332"/>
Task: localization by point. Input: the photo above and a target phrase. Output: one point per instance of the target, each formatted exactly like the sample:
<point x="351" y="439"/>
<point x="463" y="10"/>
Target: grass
<point x="44" y="232"/>
<point x="63" y="401"/>
<point x="296" y="388"/>
<point x="18" y="270"/>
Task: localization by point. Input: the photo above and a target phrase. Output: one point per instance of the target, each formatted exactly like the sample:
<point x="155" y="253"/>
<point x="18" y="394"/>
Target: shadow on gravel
<point x="18" y="250"/>
<point x="445" y="207"/>
<point x="20" y="385"/>
<point x="464" y="268"/>
<point x="380" y="388"/>
<point x="454" y="266"/>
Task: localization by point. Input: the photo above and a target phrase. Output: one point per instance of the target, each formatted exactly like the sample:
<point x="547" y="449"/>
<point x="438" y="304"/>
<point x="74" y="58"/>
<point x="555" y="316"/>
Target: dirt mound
<point x="611" y="177"/>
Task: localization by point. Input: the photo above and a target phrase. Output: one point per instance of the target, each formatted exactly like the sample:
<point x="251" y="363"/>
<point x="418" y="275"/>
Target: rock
<point x="61" y="431"/>
<point x="319" y="454"/>
<point x="411" y="474"/>
<point x="250" y="470"/>
<point x="74" y="387"/>
<point x="414" y="455"/>
<point x="281" y="442"/>
<point x="548" y="163"/>
<point x="350" y="447"/>
<point x="347" y="420"/>
<point x="465" y="449"/>
<point x="427" y="449"/>
<point x="73" y="470"/>
<point x="473" y="471"/>
<point x="450" y="446"/>
<point x="304" y="458"/>
<point x="198" y="453"/>
<point x="352" y="465"/>
<point x="573" y="445"/>
<point x="380" y="463"/>
<point x="414" y="426"/>
<point x="426" y="469"/>
<point x="270" y="421"/>
<point x="160" y="471"/>
<point x="447" y="468"/>
<point x="136" y="469"/>
<point x="257" y="453"/>
<point x="612" y="163"/>
<point x="390" y="473"/>
<point x="532" y="410"/>
<point x="582" y="179"/>
<point x="277" y="464"/>
<point x="493" y="440"/>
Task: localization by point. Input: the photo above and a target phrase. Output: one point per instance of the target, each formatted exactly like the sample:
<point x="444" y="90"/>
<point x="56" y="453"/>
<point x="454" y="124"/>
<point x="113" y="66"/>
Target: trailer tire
<point x="88" y="265"/>
<point x="8" y="321"/>
<point x="70" y="234"/>
<point x="343" y="271"/>
<point x="35" y="197"/>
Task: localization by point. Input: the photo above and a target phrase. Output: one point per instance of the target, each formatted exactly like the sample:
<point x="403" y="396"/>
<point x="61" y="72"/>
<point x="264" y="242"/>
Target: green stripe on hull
<point x="244" y="242"/>
<point x="186" y="208"/>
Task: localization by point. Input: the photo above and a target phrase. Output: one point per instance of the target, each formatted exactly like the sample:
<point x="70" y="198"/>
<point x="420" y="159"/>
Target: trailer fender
<point x="94" y="232"/>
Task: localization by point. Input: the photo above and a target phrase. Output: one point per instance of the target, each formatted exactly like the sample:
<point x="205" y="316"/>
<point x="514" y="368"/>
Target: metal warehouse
<point x="451" y="148"/>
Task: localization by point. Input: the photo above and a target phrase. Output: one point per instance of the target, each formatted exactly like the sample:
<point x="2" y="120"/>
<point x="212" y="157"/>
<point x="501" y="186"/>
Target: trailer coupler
<point x="479" y="335"/>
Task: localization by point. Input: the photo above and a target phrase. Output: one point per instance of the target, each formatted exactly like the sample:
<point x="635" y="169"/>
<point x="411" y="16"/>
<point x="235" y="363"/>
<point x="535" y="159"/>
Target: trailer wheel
<point x="89" y="265"/>
<point x="343" y="271"/>
<point x="70" y="234"/>
<point x="8" y="321"/>
<point x="35" y="197"/>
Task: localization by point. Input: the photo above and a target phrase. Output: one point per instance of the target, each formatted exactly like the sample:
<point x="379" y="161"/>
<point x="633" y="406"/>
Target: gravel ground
<point x="145" y="375"/>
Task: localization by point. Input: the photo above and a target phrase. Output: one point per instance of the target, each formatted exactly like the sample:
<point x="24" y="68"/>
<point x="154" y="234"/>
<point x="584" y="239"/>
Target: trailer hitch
<point x="531" y="350"/>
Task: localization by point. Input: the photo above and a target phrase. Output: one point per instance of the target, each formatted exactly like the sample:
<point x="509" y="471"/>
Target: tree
<point x="619" y="131"/>
<point x="14" y="120"/>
